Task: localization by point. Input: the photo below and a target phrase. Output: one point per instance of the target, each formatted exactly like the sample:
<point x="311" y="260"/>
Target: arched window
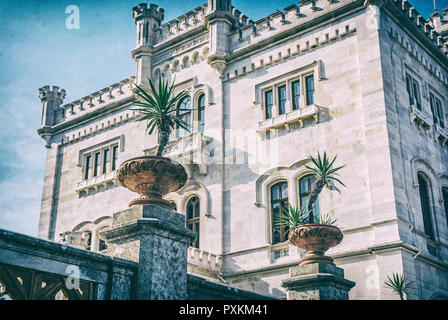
<point x="445" y="202"/>
<point x="305" y="185"/>
<point x="193" y="209"/>
<point x="279" y="201"/>
<point x="184" y="111"/>
<point x="201" y="112"/>
<point x="424" y="189"/>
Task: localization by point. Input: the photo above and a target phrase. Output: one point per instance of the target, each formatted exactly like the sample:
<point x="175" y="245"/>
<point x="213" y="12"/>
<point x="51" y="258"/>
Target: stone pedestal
<point x="157" y="239"/>
<point x="317" y="281"/>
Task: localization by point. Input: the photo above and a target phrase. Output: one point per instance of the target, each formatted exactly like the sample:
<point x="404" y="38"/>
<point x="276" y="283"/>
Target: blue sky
<point x="37" y="49"/>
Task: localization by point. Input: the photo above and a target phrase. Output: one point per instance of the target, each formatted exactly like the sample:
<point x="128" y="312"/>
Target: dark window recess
<point x="309" y="90"/>
<point x="279" y="202"/>
<point x="193" y="217"/>
<point x="281" y="100"/>
<point x="88" y="167"/>
<point x="114" y="157"/>
<point x="426" y="206"/>
<point x="97" y="165"/>
<point x="295" y="89"/>
<point x="268" y="104"/>
<point x="184" y="112"/>
<point x="305" y="185"/>
<point x="106" y="160"/>
<point x="201" y="113"/>
<point x="413" y="89"/>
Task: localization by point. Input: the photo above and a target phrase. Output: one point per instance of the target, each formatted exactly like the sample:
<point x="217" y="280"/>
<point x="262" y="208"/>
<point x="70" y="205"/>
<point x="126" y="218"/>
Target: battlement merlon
<point x="142" y="11"/>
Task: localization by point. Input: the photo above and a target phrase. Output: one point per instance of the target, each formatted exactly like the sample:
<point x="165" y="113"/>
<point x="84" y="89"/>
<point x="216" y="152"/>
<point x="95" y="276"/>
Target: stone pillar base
<point x="317" y="281"/>
<point x="157" y="239"/>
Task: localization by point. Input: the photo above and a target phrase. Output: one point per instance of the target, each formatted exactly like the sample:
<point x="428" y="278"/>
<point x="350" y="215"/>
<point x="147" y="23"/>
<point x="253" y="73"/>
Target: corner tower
<point x="52" y="99"/>
<point x="148" y="21"/>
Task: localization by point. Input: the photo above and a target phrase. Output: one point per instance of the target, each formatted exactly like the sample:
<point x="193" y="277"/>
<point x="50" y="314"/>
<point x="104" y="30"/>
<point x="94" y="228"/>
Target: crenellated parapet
<point x="51" y="98"/>
<point x="434" y="29"/>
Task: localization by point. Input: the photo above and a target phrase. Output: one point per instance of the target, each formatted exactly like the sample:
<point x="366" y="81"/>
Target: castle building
<point x="366" y="80"/>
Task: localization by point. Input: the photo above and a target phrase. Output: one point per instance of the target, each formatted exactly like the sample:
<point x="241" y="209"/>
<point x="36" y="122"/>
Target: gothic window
<point x="279" y="202"/>
<point x="436" y="109"/>
<point x="424" y="189"/>
<point x="268" y="103"/>
<point x="413" y="89"/>
<point x="193" y="217"/>
<point x="295" y="89"/>
<point x="305" y="185"/>
<point x="184" y="112"/>
<point x="281" y="99"/>
<point x="445" y="202"/>
<point x="201" y="112"/>
<point x="309" y="81"/>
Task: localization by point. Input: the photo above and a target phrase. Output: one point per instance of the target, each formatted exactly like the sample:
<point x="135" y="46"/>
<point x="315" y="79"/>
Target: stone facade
<point x="357" y="105"/>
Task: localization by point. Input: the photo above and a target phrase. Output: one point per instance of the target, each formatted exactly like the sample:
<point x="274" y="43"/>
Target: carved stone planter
<point x="315" y="239"/>
<point x="151" y="177"/>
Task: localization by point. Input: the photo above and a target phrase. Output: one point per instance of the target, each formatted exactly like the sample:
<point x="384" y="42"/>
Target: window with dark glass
<point x="193" y="217"/>
<point x="184" y="112"/>
<point x="281" y="99"/>
<point x="279" y="202"/>
<point x="173" y="205"/>
<point x="413" y="89"/>
<point x="89" y="240"/>
<point x="425" y="201"/>
<point x="305" y="185"/>
<point x="268" y="103"/>
<point x="97" y="164"/>
<point x="114" y="157"/>
<point x="106" y="160"/>
<point x="295" y="89"/>
<point x="88" y="167"/>
<point x="436" y="109"/>
<point x="201" y="112"/>
<point x="445" y="202"/>
<point x="102" y="245"/>
<point x="309" y="89"/>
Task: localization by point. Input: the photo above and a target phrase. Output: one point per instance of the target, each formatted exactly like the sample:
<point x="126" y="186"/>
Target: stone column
<point x="157" y="239"/>
<point x="317" y="281"/>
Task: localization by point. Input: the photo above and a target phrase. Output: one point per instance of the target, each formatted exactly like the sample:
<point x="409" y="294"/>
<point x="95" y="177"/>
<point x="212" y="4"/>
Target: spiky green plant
<point x="294" y="216"/>
<point x="322" y="167"/>
<point x="158" y="106"/>
<point x="399" y="284"/>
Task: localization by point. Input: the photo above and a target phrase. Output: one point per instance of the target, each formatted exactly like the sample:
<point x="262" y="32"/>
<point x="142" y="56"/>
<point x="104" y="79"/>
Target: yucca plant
<point x="322" y="167"/>
<point x="158" y="106"/>
<point x="399" y="284"/>
<point x="294" y="216"/>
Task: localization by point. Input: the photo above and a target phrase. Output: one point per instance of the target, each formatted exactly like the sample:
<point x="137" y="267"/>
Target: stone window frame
<point x="94" y="228"/>
<point x="287" y="81"/>
<point x="438" y="96"/>
<point x="292" y="176"/>
<point x="420" y="86"/>
<point x="184" y="203"/>
<point x="101" y="151"/>
<point x="194" y="96"/>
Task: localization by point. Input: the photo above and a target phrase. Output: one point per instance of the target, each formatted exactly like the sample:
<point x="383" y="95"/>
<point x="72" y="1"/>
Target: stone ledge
<point x="287" y="118"/>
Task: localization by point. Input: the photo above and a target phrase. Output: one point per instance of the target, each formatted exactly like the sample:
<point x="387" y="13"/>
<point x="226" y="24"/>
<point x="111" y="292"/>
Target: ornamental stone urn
<point x="315" y="239"/>
<point x="151" y="177"/>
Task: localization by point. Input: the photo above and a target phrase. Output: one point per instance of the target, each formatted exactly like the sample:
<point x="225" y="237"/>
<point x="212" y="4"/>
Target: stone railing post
<point x="157" y="239"/>
<point x="317" y="281"/>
